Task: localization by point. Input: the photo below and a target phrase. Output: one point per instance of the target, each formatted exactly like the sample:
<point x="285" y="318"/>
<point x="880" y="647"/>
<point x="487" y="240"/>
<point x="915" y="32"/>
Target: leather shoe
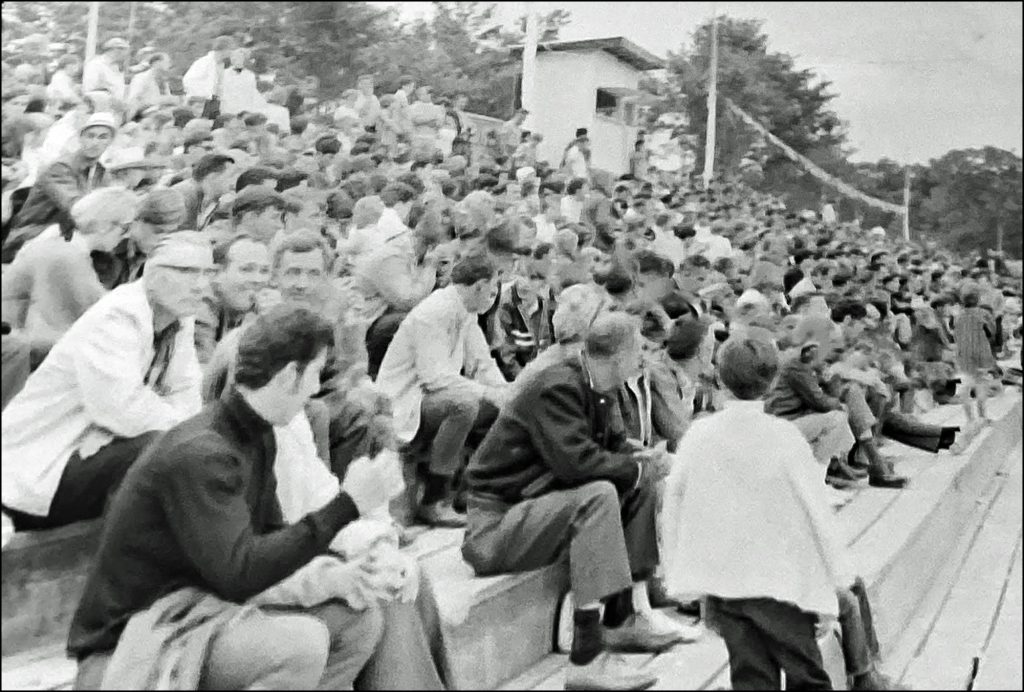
<point x="441" y="514"/>
<point x="888" y="480"/>
<point x="841" y="469"/>
<point x="637" y="635"/>
<point x="608" y="672"/>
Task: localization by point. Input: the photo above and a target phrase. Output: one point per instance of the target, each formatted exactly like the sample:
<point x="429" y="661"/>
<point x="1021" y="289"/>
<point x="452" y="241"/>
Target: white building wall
<point x="567" y="84"/>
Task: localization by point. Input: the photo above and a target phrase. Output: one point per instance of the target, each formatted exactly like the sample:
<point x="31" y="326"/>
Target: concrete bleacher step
<point x="500" y="631"/>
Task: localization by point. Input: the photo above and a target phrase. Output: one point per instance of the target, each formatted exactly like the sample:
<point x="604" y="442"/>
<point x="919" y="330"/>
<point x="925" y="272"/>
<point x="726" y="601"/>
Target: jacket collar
<point x="244" y="421"/>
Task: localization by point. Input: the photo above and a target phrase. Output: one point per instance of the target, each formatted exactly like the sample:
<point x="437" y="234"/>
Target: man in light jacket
<point x="123" y="372"/>
<point x="103" y="72"/>
<point x="435" y="404"/>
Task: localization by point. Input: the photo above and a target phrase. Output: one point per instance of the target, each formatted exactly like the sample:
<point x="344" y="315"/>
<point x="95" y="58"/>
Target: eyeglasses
<point x="207" y="272"/>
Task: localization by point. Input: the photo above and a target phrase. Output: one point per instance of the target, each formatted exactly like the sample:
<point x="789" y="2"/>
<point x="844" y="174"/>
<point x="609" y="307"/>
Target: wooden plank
<point x="45" y="668"/>
<point x="546" y="668"/>
<point x="927" y="611"/>
<point x="1001" y="663"/>
<point x="971" y="606"/>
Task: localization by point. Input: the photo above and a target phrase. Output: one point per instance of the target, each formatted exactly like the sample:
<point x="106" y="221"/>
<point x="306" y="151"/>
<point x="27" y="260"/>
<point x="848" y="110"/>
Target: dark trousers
<point x="447" y="420"/>
<point x="765" y="637"/>
<point x="86" y="485"/>
<point x="611" y="540"/>
<point x="378" y="338"/>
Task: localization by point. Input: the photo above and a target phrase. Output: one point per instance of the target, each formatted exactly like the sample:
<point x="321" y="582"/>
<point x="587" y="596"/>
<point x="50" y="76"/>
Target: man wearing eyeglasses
<point x="124" y="372"/>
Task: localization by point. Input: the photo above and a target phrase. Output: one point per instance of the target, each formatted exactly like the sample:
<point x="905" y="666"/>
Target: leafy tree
<point x="969" y="197"/>
<point x="793" y="104"/>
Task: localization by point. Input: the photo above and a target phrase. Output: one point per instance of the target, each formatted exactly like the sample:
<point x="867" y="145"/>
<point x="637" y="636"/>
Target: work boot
<point x="886" y="477"/>
<point x="637" y="635"/>
<point x="881" y="473"/>
<point x="840" y="469"/>
<point x="608" y="672"/>
<point x="947" y="438"/>
<point x="857" y="459"/>
<point x="440" y="514"/>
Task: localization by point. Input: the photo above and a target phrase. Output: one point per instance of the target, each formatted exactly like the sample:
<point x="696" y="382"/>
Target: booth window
<point x="607" y="103"/>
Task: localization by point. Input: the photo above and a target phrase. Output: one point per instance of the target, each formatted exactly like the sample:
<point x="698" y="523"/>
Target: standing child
<point x="973" y="332"/>
<point x="746" y="524"/>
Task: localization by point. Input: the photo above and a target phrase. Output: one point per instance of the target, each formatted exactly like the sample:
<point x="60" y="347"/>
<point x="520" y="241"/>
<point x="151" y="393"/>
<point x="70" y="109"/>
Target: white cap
<point x="100" y="120"/>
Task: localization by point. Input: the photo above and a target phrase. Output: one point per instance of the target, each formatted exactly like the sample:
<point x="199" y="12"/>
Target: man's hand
<point x="657" y="461"/>
<point x="371" y="483"/>
<point x="351" y="582"/>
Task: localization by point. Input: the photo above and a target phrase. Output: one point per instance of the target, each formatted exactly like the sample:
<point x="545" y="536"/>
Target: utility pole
<point x="529" y="88"/>
<point x="131" y="30"/>
<point x="906" y="204"/>
<point x="709" y="142"/>
<point x="94" y="25"/>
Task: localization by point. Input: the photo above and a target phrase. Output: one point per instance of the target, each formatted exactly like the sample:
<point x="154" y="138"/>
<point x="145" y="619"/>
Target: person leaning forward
<point x="552" y="476"/>
<point x="197" y="532"/>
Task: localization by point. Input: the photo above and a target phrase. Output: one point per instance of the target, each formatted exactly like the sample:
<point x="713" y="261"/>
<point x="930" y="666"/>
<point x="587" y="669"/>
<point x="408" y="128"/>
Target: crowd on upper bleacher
<point x="315" y="304"/>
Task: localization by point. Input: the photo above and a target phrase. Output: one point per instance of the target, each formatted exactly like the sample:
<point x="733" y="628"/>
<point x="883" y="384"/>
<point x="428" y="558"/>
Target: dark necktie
<point x="163" y="351"/>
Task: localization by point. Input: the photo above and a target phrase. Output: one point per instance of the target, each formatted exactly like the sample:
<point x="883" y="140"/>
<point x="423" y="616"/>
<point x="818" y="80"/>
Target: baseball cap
<point x="113" y="43"/>
<point x="100" y="120"/>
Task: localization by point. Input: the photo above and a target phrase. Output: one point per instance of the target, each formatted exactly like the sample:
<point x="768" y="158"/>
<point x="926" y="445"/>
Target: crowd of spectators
<point x="557" y="356"/>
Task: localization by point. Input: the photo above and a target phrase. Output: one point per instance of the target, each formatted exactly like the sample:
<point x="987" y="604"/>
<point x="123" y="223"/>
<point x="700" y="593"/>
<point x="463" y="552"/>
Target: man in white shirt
<point x="239" y="91"/>
<point x="151" y="88"/>
<point x="436" y="406"/>
<point x="577" y="156"/>
<point x="706" y="243"/>
<point x="126" y="370"/>
<point x="398" y="199"/>
<point x="367" y="105"/>
<point x="575" y="200"/>
<point x="204" y="79"/>
<point x="63" y="88"/>
<point x="103" y="72"/>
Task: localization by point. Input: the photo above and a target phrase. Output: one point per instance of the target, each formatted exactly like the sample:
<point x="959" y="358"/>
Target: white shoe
<point x="663" y="624"/>
<point x="608" y="672"/>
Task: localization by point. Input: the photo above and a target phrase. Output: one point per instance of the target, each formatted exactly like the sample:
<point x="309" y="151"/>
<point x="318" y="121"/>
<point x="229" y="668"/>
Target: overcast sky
<point x="914" y="79"/>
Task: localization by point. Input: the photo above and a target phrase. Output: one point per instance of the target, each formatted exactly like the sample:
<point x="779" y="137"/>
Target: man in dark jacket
<point x="199" y="513"/>
<point x="797" y="396"/>
<point x="524" y="317"/>
<point x="62" y="184"/>
<point x="554" y="475"/>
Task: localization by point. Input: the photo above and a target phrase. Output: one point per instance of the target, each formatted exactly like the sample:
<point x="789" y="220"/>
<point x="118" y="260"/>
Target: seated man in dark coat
<point x="196" y="532"/>
<point x="552" y="476"/>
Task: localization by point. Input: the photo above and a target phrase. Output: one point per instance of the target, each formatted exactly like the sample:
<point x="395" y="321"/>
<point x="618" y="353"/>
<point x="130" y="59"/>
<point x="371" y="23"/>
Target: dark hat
<point x="258" y="196"/>
<point x="686" y="336"/>
<point x="581" y="132"/>
<point x="163" y="206"/>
